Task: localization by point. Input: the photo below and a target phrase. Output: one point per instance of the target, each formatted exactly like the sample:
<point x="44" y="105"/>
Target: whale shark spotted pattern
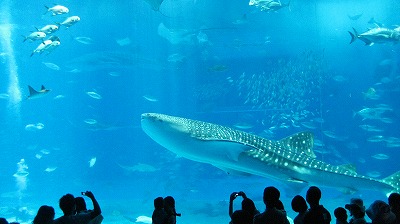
<point x="290" y="160"/>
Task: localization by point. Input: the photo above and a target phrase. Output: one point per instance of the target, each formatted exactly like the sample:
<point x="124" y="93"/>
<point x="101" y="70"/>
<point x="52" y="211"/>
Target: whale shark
<point x="289" y="160"/>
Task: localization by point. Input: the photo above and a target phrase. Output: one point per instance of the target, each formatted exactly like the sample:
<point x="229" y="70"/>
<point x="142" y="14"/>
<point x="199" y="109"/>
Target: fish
<point x="94" y="95"/>
<point x="50" y="169"/>
<point x="42" y="47"/>
<point x="48" y="29"/>
<point x="92" y="161"/>
<point x="269" y="5"/>
<point x="374" y="22"/>
<point x="33" y="94"/>
<point x="51" y="66"/>
<point x="290" y="160"/>
<point x="68" y="22"/>
<point x="35" y="36"/>
<point x="380" y="156"/>
<point x="84" y="40"/>
<point x="140" y="167"/>
<point x="57" y="10"/>
<point x="376" y="35"/>
<point x="123" y="41"/>
<point x="355" y="17"/>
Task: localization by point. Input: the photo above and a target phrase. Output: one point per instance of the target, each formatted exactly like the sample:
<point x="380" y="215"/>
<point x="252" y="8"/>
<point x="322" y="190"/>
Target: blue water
<point x="194" y="59"/>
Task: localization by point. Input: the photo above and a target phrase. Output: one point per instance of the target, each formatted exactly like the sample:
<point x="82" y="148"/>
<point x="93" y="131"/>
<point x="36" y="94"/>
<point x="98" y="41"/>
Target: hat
<point x="355" y="202"/>
<point x="377" y="208"/>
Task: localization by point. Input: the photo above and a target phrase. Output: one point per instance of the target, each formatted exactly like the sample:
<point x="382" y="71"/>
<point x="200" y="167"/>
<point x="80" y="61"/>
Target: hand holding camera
<point x="89" y="194"/>
<point x="234" y="195"/>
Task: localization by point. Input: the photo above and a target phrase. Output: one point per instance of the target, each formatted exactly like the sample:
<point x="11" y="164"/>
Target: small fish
<point x="39" y="126"/>
<point x="45" y="151"/>
<point x="4" y="96"/>
<point x="48" y="29"/>
<point x="42" y="47"/>
<point x="90" y="121"/>
<point x="150" y="98"/>
<point x="30" y="127"/>
<point x="52" y="46"/>
<point x="84" y="40"/>
<point x="59" y="97"/>
<point x="51" y="66"/>
<point x="35" y="36"/>
<point x="92" y="161"/>
<point x="355" y="17"/>
<point x="114" y="74"/>
<point x="376" y="138"/>
<point x="50" y="169"/>
<point x="70" y="21"/>
<point x="94" y="95"/>
<point x="124" y="41"/>
<point x="380" y="156"/>
<point x="143" y="219"/>
<point x="374" y="174"/>
<point x="57" y="10"/>
<point x="33" y="94"/>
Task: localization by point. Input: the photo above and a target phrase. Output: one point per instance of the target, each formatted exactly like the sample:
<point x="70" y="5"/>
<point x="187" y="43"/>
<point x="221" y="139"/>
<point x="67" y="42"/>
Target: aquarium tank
<point x="196" y="99"/>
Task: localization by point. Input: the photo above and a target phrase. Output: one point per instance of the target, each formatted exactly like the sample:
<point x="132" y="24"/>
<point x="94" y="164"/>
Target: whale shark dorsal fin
<point x="43" y="88"/>
<point x="301" y="142"/>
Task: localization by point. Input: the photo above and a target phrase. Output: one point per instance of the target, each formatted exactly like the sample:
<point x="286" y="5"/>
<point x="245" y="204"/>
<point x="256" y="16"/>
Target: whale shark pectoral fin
<point x="233" y="172"/>
<point x="298" y="181"/>
<point x="294" y="186"/>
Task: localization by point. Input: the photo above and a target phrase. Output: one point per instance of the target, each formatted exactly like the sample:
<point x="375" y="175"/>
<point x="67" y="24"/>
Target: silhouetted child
<point x="159" y="215"/>
<point x="169" y="207"/>
<point x="357" y="211"/>
<point x="341" y="215"/>
<point x="299" y="205"/>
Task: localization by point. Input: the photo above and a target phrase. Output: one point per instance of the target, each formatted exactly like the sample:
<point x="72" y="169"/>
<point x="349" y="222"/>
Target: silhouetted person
<point x="169" y="207"/>
<point x="340" y="215"/>
<point x="3" y="221"/>
<point x="81" y="209"/>
<point x="357" y="211"/>
<point x="45" y="215"/>
<point x="394" y="203"/>
<point x="247" y="205"/>
<point x="159" y="215"/>
<point x="379" y="212"/>
<point x="317" y="213"/>
<point x="67" y="205"/>
<point x="241" y="217"/>
<point x="299" y="205"/>
<point x="271" y="215"/>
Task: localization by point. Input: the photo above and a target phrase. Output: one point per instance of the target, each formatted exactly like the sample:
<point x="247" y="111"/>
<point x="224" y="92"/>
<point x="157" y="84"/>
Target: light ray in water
<point x="14" y="91"/>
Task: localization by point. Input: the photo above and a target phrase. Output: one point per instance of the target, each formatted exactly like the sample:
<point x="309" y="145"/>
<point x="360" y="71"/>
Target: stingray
<point x="155" y="4"/>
